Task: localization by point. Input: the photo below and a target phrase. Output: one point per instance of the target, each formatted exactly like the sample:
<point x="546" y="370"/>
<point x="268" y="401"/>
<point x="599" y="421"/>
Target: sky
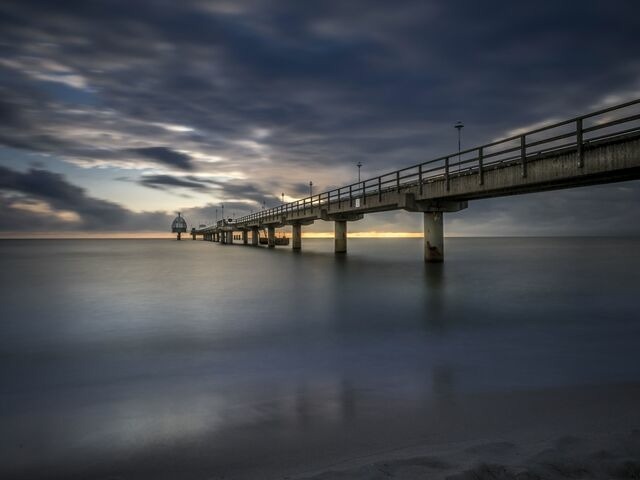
<point x="116" y="114"/>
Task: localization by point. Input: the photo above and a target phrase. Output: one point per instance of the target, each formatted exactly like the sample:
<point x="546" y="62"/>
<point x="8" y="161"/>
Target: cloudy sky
<point x="115" y="114"/>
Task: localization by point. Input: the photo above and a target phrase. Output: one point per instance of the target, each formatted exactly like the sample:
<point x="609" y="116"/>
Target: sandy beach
<point x="605" y="443"/>
<point x="604" y="456"/>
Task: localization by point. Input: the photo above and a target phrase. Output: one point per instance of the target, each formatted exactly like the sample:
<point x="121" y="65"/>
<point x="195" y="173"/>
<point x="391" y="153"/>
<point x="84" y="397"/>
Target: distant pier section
<point x="600" y="147"/>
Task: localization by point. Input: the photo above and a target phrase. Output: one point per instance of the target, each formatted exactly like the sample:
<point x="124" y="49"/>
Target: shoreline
<point x="613" y="455"/>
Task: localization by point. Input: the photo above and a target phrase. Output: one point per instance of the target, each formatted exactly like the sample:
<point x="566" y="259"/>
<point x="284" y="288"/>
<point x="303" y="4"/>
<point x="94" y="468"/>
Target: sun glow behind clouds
<point x="43" y="208"/>
<point x="174" y="128"/>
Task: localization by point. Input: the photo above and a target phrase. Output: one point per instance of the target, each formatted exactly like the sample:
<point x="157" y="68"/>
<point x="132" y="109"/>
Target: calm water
<point x="164" y="359"/>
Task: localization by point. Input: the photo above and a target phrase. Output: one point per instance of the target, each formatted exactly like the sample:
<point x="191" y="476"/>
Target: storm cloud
<point x="165" y="156"/>
<point x="241" y="101"/>
<point x="39" y="200"/>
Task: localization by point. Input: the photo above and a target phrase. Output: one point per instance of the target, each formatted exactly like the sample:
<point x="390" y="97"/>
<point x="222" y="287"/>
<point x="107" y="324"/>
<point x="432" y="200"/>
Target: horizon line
<point x="152" y="235"/>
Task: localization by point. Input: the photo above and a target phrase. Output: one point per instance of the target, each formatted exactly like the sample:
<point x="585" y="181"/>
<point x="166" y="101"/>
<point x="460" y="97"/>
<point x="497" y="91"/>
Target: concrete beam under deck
<point x="433" y="237"/>
<point x="271" y="236"/>
<point x="296" y="235"/>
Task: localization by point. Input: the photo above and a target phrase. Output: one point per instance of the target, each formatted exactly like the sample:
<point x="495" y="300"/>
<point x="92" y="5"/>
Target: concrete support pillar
<point x="245" y="237"/>
<point x="297" y="236"/>
<point x="230" y="235"/>
<point x="340" y="236"/>
<point x="271" y="236"/>
<point x="434" y="237"/>
<point x="179" y="236"/>
<point x="193" y="236"/>
<point x="255" y="236"/>
<point x="223" y="237"/>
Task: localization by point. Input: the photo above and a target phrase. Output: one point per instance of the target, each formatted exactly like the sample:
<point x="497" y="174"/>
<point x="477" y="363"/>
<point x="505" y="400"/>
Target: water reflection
<point x="434" y="301"/>
<point x="256" y="357"/>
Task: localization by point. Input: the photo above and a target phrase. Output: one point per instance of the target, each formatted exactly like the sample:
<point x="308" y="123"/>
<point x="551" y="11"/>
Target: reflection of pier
<point x="600" y="147"/>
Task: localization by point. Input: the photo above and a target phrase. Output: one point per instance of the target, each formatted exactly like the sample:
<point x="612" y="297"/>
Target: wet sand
<point x="579" y="433"/>
<point x="576" y="432"/>
<point x="597" y="456"/>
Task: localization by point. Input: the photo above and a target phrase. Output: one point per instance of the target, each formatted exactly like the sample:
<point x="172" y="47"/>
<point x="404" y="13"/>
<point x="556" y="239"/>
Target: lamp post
<point x="222" y="205"/>
<point x="282" y="197"/>
<point x="359" y="165"/>
<point x="311" y="189"/>
<point x="459" y="126"/>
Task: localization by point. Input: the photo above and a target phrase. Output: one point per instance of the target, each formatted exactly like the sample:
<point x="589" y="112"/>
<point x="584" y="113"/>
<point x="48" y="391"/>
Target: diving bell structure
<point x="179" y="225"/>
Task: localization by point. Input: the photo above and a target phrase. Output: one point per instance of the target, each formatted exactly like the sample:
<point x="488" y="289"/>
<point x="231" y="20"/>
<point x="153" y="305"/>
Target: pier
<point x="600" y="147"/>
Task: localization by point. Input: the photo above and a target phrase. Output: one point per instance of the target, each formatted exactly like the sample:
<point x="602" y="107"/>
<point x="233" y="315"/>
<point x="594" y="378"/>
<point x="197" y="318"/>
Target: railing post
<point x="579" y="142"/>
<point x="329" y="200"/>
<point x="420" y="177"/>
<point x="364" y="193"/>
<point x="523" y="155"/>
<point x="350" y="196"/>
<point x="379" y="189"/>
<point x="480" y="166"/>
<point x="398" y="180"/>
<point x="446" y="172"/>
<point x="339" y="199"/>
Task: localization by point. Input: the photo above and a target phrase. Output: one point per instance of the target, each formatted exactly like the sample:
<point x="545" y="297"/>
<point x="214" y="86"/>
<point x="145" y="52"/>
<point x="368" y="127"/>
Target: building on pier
<point x="179" y="226"/>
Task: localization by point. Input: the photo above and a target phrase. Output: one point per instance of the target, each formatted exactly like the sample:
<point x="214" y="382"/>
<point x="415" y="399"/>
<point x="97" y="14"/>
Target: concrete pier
<point x="433" y="237"/>
<point x="271" y="235"/>
<point x="230" y="237"/>
<point x="255" y="236"/>
<point x="245" y="237"/>
<point x="444" y="185"/>
<point x="297" y="236"/>
<point x="340" y="236"/>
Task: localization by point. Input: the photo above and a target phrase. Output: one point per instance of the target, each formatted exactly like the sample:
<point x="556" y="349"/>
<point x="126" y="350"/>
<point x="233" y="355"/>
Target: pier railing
<point x="573" y="134"/>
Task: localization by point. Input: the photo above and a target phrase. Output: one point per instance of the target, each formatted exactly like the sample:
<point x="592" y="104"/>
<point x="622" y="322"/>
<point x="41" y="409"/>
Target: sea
<point x="163" y="359"/>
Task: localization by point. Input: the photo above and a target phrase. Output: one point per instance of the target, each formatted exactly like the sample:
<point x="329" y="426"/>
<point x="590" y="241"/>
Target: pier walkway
<point x="599" y="147"/>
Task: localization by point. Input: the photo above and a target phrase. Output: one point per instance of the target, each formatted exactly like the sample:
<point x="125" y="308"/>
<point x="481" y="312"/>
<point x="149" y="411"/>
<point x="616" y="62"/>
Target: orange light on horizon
<point x="165" y="235"/>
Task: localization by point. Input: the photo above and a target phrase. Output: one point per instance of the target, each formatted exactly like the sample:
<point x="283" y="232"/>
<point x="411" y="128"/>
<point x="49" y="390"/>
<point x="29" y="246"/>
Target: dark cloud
<point x="163" y="181"/>
<point x="40" y="187"/>
<point x="165" y="156"/>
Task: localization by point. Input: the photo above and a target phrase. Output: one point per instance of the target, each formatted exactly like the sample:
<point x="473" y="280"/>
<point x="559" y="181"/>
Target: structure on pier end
<point x="179" y="226"/>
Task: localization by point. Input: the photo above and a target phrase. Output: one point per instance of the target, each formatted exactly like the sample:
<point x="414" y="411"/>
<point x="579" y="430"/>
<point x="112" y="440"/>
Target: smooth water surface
<point x="165" y="359"/>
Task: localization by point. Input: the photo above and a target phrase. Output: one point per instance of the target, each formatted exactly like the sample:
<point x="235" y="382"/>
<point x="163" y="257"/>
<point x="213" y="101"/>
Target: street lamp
<point x="359" y="165"/>
<point x="311" y="189"/>
<point x="282" y="197"/>
<point x="222" y="205"/>
<point x="459" y="126"/>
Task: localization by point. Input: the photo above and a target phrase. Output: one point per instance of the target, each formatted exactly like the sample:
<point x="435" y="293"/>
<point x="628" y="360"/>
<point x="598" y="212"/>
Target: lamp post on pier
<point x="359" y="165"/>
<point x="459" y="126"/>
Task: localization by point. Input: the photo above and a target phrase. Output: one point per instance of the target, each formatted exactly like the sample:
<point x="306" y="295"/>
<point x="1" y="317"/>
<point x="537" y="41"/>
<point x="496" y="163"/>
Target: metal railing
<point x="522" y="148"/>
